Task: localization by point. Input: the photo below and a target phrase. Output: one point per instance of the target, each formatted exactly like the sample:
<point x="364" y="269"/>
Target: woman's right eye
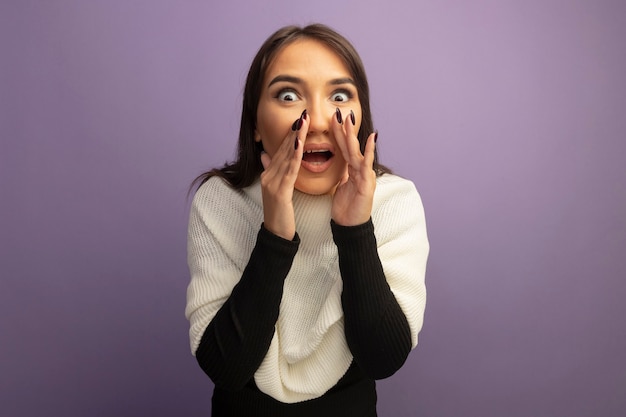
<point x="287" y="95"/>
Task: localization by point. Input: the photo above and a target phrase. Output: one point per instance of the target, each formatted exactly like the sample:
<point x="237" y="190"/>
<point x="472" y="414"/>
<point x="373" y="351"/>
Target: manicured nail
<point x="375" y="136"/>
<point x="298" y="123"/>
<point x="352" y="118"/>
<point x="338" y="114"/>
<point x="295" y="145"/>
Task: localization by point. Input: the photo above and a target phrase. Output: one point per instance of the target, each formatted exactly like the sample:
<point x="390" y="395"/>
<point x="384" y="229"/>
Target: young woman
<point x="307" y="257"/>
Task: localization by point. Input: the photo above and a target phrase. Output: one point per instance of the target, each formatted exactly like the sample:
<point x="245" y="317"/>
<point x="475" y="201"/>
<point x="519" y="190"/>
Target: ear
<point x="257" y="136"/>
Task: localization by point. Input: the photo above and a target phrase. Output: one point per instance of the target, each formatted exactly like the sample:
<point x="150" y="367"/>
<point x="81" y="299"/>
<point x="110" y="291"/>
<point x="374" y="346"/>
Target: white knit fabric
<point x="308" y="353"/>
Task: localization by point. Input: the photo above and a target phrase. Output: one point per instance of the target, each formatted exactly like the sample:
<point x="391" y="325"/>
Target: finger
<point x="283" y="166"/>
<point x="370" y="147"/>
<point x="352" y="140"/>
<point x="340" y="134"/>
<point x="298" y="142"/>
<point x="346" y="138"/>
<point x="291" y="142"/>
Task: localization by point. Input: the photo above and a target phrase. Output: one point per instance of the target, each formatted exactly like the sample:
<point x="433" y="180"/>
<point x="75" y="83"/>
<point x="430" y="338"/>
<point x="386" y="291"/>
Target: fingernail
<point x="295" y="145"/>
<point x="296" y="125"/>
<point x="352" y="118"/>
<point x="338" y="114"/>
<point x="375" y="136"/>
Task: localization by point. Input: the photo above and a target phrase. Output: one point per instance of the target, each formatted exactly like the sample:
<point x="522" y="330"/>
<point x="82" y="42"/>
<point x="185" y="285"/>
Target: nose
<point x="320" y="114"/>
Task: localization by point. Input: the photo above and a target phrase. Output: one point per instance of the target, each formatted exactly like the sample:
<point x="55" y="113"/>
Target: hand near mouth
<point x="278" y="181"/>
<point x="354" y="196"/>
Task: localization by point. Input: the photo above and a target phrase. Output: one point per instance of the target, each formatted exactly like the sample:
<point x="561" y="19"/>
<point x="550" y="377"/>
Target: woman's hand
<point x="354" y="196"/>
<point x="278" y="182"/>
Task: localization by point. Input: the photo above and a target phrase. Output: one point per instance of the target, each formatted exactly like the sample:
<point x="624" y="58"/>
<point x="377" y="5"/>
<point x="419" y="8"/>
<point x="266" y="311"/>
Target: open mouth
<point x="317" y="156"/>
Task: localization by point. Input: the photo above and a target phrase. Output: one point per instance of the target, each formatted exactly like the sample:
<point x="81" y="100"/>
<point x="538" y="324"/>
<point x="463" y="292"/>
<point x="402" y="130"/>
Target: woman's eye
<point x="287" y="95"/>
<point x="340" y="96"/>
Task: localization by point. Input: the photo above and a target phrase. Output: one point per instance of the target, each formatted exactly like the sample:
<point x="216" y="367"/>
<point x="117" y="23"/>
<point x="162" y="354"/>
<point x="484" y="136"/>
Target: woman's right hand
<point x="278" y="182"/>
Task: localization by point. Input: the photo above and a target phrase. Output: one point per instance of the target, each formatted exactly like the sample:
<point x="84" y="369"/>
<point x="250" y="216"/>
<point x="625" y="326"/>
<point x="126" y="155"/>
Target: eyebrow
<point x="296" y="80"/>
<point x="339" y="81"/>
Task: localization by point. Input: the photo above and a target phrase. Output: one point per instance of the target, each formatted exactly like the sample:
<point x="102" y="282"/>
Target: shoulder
<point x="214" y="186"/>
<point x="392" y="189"/>
<point x="397" y="209"/>
<point x="218" y="192"/>
<point x="216" y="204"/>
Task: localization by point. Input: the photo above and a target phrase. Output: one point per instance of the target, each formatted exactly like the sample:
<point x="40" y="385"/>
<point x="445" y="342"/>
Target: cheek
<point x="271" y="130"/>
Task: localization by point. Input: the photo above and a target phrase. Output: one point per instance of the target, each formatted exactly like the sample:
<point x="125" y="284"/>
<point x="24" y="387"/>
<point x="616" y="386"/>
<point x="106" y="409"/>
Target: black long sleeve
<point x="376" y="329"/>
<point x="236" y="341"/>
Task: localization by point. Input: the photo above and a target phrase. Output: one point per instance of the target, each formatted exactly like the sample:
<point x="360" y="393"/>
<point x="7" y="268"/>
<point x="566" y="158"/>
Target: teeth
<point x="317" y="151"/>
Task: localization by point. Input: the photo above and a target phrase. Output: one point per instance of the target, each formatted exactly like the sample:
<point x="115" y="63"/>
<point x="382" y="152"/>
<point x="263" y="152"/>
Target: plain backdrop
<point x="509" y="116"/>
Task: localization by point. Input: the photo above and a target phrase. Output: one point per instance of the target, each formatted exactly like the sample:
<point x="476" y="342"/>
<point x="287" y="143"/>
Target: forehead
<point x="307" y="57"/>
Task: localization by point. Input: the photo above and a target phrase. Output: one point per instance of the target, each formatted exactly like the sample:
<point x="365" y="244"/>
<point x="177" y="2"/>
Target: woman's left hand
<point x="354" y="196"/>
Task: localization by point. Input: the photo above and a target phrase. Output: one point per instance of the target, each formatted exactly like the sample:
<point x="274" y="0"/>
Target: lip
<point x="318" y="167"/>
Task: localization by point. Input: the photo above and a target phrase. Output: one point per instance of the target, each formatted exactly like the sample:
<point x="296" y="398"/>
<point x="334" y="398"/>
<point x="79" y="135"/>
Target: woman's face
<point x="307" y="74"/>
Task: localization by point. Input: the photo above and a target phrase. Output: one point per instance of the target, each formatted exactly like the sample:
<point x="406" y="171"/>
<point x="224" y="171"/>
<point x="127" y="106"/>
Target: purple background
<point x="508" y="115"/>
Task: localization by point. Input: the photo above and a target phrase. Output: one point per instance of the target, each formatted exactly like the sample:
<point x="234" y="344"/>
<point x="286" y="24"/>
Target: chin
<point x="317" y="188"/>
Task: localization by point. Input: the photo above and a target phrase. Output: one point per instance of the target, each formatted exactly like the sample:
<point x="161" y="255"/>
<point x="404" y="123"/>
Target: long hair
<point x="247" y="167"/>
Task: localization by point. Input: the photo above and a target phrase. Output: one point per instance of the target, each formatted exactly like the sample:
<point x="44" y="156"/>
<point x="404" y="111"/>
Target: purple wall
<point x="508" y="115"/>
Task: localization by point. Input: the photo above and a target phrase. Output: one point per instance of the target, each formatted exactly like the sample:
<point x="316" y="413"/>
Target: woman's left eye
<point x="341" y="96"/>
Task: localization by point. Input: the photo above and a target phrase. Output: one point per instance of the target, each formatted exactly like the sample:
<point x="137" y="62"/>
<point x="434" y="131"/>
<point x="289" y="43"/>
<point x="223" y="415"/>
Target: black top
<point x="236" y="341"/>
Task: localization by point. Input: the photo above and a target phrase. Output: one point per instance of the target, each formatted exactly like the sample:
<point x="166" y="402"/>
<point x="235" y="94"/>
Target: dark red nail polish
<point x="352" y="118"/>
<point x="338" y="114"/>
<point x="295" y="145"/>
<point x="298" y="123"/>
<point x="375" y="136"/>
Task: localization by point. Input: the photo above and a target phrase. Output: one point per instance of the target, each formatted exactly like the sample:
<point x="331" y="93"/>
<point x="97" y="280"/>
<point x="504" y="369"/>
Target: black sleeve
<point x="377" y="330"/>
<point x="236" y="341"/>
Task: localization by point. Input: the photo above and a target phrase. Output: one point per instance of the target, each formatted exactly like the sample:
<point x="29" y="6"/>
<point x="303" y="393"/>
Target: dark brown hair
<point x="247" y="167"/>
